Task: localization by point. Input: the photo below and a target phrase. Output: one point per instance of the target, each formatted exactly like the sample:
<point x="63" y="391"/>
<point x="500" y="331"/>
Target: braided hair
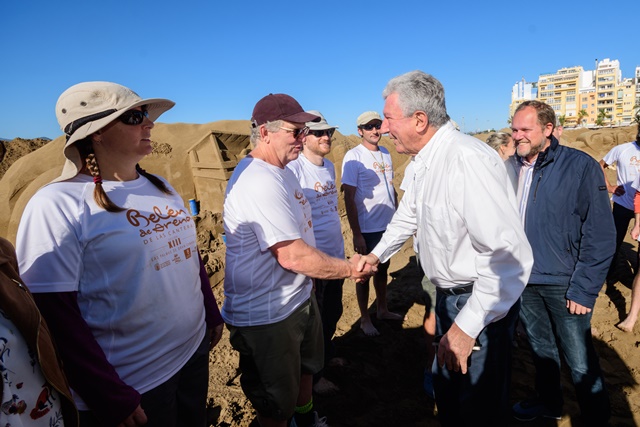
<point x="85" y="147"/>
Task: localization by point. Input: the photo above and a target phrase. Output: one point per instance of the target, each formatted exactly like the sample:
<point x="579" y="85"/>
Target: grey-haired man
<point x="271" y="257"/>
<point x="472" y="247"/>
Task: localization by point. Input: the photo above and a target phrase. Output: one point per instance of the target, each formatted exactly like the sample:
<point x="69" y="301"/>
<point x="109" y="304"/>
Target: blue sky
<point x="217" y="58"/>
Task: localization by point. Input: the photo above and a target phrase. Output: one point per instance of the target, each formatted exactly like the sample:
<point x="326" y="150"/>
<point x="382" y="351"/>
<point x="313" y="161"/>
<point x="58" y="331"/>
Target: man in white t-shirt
<point x="370" y="201"/>
<point x="271" y="256"/>
<point x="630" y="320"/>
<point x="317" y="177"/>
<point x="626" y="157"/>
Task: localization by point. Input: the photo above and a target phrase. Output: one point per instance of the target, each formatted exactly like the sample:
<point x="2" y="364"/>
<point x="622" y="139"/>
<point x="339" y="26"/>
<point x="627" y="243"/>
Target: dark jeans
<point x="329" y="298"/>
<point x="547" y="321"/>
<point x="481" y="396"/>
<point x="181" y="401"/>
<point x="621" y="218"/>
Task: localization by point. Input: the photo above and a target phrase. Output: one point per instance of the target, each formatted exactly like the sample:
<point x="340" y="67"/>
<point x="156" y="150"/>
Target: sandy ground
<point x="381" y="384"/>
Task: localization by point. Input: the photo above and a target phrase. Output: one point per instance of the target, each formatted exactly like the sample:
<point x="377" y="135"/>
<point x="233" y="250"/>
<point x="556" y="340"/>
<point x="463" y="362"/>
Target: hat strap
<point x="77" y="124"/>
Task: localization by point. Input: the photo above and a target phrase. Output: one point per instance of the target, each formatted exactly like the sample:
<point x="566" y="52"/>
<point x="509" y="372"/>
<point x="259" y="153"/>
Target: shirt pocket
<point x="441" y="225"/>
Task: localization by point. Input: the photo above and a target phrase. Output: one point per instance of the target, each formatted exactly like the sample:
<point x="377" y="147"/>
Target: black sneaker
<point x="530" y="409"/>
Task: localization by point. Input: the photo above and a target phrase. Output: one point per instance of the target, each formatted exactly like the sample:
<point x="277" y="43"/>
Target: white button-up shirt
<point x="463" y="210"/>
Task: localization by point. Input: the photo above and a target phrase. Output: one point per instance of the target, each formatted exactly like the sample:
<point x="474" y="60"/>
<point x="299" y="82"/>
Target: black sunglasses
<point x="370" y="126"/>
<point x="320" y="133"/>
<point x="133" y="117"/>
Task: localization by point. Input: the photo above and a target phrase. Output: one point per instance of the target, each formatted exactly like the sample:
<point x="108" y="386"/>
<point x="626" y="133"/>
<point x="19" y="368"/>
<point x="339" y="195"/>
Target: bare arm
<point x="635" y="231"/>
<point x="297" y="256"/>
<point x="618" y="190"/>
<point x="359" y="244"/>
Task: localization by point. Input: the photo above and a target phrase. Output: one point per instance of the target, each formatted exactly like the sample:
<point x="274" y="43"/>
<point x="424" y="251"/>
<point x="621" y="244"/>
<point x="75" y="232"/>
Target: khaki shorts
<point x="272" y="358"/>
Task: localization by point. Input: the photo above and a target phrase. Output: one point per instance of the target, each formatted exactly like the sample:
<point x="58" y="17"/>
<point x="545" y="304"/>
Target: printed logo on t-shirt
<point x="634" y="161"/>
<point x="326" y="188"/>
<point x="325" y="195"/>
<point x="158" y="221"/>
<point x="381" y="167"/>
<point x="299" y="195"/>
<point x="160" y="228"/>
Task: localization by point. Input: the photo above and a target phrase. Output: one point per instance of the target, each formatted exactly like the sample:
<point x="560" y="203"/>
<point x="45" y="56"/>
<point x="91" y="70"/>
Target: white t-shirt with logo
<point x="264" y="205"/>
<point x="371" y="173"/>
<point x="319" y="186"/>
<point x="627" y="159"/>
<point x="136" y="272"/>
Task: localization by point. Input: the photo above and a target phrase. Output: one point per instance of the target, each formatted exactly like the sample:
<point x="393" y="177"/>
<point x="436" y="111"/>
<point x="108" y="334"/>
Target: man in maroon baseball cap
<point x="269" y="305"/>
<point x="280" y="107"/>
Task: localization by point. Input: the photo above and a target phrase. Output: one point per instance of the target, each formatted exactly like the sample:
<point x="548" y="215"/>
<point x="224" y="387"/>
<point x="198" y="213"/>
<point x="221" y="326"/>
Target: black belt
<point x="458" y="290"/>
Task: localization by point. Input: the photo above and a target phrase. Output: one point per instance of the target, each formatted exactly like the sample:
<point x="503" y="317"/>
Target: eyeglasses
<point x="297" y="132"/>
<point x="370" y="126"/>
<point x="320" y="133"/>
<point x="133" y="117"/>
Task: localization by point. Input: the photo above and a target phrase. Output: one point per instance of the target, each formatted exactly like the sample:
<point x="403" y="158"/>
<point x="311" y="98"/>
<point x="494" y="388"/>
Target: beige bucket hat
<point x="87" y="107"/>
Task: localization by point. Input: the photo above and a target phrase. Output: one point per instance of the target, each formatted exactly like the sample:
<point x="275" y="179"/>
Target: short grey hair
<point x="271" y="127"/>
<point x="419" y="91"/>
<point x="498" y="139"/>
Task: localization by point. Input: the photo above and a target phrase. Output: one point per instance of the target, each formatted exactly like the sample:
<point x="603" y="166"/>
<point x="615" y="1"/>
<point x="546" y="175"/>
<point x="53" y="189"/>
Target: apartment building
<point x="561" y="91"/>
<point x="637" y="77"/>
<point x="586" y="97"/>
<point x="608" y="76"/>
<point x="625" y="102"/>
<point x="520" y="92"/>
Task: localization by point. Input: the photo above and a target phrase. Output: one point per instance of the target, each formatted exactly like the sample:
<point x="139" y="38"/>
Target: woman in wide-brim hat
<point x="109" y="252"/>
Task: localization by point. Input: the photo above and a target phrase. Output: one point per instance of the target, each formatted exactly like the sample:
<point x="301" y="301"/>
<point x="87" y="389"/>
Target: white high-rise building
<point x="521" y="91"/>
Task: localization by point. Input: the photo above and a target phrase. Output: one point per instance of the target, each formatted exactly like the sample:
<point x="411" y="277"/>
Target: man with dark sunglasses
<point x="317" y="178"/>
<point x="370" y="201"/>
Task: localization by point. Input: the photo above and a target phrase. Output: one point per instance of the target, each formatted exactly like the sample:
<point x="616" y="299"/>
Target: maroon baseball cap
<point x="280" y="107"/>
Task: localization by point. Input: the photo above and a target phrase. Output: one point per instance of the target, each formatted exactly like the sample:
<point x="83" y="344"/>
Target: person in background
<point x="629" y="322"/>
<point x="567" y="218"/>
<point x="317" y="177"/>
<point x="506" y="148"/>
<point x="503" y="144"/>
<point x="269" y="306"/>
<point x="33" y="388"/>
<point x="370" y="201"/>
<point x="471" y="245"/>
<point x="558" y="129"/>
<point x="626" y="158"/>
<point x="109" y="251"/>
